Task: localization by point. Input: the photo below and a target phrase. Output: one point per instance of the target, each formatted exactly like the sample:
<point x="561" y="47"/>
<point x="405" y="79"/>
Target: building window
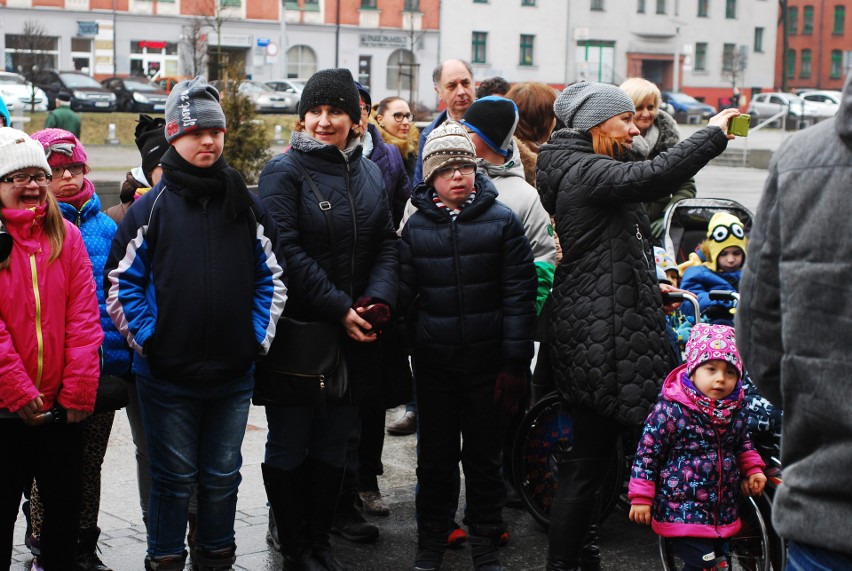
<point x="401" y="71"/>
<point x="836" y="64"/>
<point x="791" y="64"/>
<point x="728" y="54"/>
<point x="595" y="61"/>
<point x="369" y="4"/>
<point x="758" y="40"/>
<point x="480" y="1"/>
<point x="527" y="2"/>
<point x="661" y="6"/>
<point x="808" y="20"/>
<point x="478" y="47"/>
<point x="805" y="65"/>
<point x="527" y="42"/>
<point x="81" y="54"/>
<point x="411" y="6"/>
<point x="301" y="61"/>
<point x="700" y="56"/>
<point x="703" y="8"/>
<point x="640" y="6"/>
<point x="792" y="20"/>
<point x="231" y="3"/>
<point x="598" y="5"/>
<point x="839" y="17"/>
<point x="147" y="58"/>
<point x="730" y="9"/>
<point x="25" y="52"/>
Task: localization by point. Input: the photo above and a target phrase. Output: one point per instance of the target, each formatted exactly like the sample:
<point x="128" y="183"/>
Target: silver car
<point x="765" y="105"/>
<point x="829" y="99"/>
<point x="17" y="93"/>
<point x="266" y="99"/>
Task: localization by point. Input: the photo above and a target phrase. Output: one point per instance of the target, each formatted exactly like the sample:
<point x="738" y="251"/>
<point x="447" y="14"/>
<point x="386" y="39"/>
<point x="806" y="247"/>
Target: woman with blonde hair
<point x="658" y="133"/>
<point x="50" y="335"/>
<point x="606" y="331"/>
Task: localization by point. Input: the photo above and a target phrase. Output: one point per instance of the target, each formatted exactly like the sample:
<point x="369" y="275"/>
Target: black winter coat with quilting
<point x="606" y="328"/>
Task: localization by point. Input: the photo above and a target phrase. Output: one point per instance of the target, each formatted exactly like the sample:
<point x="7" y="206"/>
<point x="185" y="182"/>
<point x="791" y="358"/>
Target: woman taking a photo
<point x="341" y="254"/>
<point x="606" y="330"/>
<point x="49" y="363"/>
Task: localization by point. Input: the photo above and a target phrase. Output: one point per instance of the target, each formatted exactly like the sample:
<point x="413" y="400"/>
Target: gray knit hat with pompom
<point x="584" y="104"/>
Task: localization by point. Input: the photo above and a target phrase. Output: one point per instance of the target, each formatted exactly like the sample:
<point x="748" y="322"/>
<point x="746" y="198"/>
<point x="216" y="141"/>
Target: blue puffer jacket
<point x="367" y="260"/>
<point x="701" y="280"/>
<point x="389" y="161"/>
<point x="476" y="280"/>
<point x="98" y="230"/>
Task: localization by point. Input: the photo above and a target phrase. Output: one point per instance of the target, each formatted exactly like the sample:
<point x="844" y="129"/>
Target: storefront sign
<point x="262" y="42"/>
<point x="383" y="41"/>
<point x="87" y="29"/>
<point x="231" y="40"/>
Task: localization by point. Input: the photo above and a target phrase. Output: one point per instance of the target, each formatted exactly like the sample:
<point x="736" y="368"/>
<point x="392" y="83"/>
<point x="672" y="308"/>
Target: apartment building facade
<point x="558" y="42"/>
<point x="389" y="45"/>
<point x="819" y="44"/>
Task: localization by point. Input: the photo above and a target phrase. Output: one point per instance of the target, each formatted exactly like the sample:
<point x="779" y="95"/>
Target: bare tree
<point x="734" y="64"/>
<point x="33" y="53"/>
<point x="194" y="43"/>
<point x="215" y="14"/>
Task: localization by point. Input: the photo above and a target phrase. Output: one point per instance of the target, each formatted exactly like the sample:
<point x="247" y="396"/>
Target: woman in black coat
<point x="606" y="329"/>
<point x="347" y="276"/>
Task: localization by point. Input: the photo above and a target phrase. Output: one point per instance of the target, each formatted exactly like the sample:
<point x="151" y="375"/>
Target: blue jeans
<point x="802" y="557"/>
<point x="194" y="430"/>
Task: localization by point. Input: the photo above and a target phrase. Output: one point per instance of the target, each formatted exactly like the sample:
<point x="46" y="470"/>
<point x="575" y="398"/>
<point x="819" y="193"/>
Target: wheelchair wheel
<point x="545" y="432"/>
<point x="749" y="549"/>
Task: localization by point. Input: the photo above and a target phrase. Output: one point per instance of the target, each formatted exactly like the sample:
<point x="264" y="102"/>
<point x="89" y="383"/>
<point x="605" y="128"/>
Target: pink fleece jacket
<point x="50" y="334"/>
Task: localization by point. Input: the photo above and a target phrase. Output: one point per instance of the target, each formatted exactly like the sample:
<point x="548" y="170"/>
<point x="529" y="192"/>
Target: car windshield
<point x="78" y="80"/>
<point x="684" y="98"/>
<point x="297" y="85"/>
<point x="139" y="85"/>
<point x="12" y="80"/>
<point x="254" y="86"/>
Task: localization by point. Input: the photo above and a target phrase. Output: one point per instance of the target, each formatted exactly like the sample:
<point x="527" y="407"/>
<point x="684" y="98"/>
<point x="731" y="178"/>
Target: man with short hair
<point x="63" y="117"/>
<point x="453" y="82"/>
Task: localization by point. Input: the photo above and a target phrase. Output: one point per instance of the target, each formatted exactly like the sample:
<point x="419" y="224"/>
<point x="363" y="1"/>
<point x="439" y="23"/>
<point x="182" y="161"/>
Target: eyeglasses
<point x="75" y="169"/>
<point x="365" y="108"/>
<point x="399" y="116"/>
<point x="21" y="180"/>
<point x="450" y="172"/>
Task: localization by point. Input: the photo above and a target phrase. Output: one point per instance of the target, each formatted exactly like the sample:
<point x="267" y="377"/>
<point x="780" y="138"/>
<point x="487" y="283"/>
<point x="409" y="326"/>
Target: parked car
<point x="17" y="93"/>
<point x="266" y="99"/>
<point x="292" y="86"/>
<point x="765" y="105"/>
<point x="136" y="94"/>
<point x="683" y="103"/>
<point x="86" y="93"/>
<point x="828" y="98"/>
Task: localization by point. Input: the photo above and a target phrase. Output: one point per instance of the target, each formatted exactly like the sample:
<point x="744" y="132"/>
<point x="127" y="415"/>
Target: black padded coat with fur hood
<point x="606" y="328"/>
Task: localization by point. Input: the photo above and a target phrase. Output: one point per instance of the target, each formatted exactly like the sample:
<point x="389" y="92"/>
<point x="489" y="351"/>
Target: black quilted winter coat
<point x="606" y="328"/>
<point x="366" y="246"/>
<point x="476" y="281"/>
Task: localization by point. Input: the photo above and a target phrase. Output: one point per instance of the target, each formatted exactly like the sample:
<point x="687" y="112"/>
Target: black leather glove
<point x="511" y="387"/>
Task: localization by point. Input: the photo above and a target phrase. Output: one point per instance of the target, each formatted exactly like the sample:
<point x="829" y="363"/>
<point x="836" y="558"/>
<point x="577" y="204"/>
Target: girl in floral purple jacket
<point x="695" y="452"/>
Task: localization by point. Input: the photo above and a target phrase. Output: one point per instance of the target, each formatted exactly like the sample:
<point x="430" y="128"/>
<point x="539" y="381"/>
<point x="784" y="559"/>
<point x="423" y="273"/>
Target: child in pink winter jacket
<point x="695" y="455"/>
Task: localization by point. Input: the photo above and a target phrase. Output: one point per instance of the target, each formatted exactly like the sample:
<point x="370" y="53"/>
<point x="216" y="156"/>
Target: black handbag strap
<point x="324" y="205"/>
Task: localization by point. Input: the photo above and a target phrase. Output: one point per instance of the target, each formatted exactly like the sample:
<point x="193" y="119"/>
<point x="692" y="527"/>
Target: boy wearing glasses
<point x="466" y="257"/>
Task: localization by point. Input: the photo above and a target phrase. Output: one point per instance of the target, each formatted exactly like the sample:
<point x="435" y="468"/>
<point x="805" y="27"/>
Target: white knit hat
<point x="18" y="151"/>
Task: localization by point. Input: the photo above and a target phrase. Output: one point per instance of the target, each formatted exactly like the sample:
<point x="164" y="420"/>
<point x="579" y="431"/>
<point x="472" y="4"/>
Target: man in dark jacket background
<point x="793" y="333"/>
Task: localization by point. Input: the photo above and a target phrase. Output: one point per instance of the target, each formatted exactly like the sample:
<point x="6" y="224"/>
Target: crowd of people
<point x="415" y="267"/>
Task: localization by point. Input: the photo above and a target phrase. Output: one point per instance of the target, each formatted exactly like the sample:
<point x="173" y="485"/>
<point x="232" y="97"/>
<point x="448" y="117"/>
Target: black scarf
<point x="196" y="184"/>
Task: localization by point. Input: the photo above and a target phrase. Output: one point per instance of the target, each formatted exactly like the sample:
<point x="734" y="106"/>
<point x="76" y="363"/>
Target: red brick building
<point x="819" y="44"/>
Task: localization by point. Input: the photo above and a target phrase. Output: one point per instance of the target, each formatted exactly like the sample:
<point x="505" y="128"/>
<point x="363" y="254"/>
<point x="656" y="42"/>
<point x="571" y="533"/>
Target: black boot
<point x="87" y="547"/>
<point x="286" y="491"/>
<point x="324" y="490"/>
<point x="484" y="542"/>
<point x="166" y="563"/>
<point x="431" y="544"/>
<point x="590" y="557"/>
<point x="348" y="521"/>
<point x="214" y="559"/>
<point x="573" y="511"/>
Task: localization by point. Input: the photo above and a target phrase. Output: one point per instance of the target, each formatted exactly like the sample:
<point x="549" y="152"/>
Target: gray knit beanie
<point x="447" y="144"/>
<point x="19" y="151"/>
<point x="333" y="87"/>
<point x="193" y="104"/>
<point x="583" y="105"/>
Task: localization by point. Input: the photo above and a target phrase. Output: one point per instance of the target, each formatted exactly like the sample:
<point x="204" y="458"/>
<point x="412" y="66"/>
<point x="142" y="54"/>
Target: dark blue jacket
<point x="198" y="298"/>
<point x="389" y="160"/>
<point x="476" y="281"/>
<point x="98" y="230"/>
<point x="367" y="263"/>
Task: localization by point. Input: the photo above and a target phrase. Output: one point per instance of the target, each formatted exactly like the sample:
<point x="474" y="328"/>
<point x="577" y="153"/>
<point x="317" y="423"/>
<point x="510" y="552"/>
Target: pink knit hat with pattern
<point x="708" y="342"/>
<point x="61" y="147"/>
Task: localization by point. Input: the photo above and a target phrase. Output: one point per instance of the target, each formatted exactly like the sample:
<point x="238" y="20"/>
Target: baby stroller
<point x="686" y="223"/>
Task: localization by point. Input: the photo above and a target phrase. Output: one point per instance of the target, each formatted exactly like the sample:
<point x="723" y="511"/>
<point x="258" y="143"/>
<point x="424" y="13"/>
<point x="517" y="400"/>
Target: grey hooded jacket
<point x="794" y="325"/>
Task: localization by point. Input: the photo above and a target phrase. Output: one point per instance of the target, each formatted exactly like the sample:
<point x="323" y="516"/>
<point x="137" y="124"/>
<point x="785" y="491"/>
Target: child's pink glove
<point x="511" y="387"/>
